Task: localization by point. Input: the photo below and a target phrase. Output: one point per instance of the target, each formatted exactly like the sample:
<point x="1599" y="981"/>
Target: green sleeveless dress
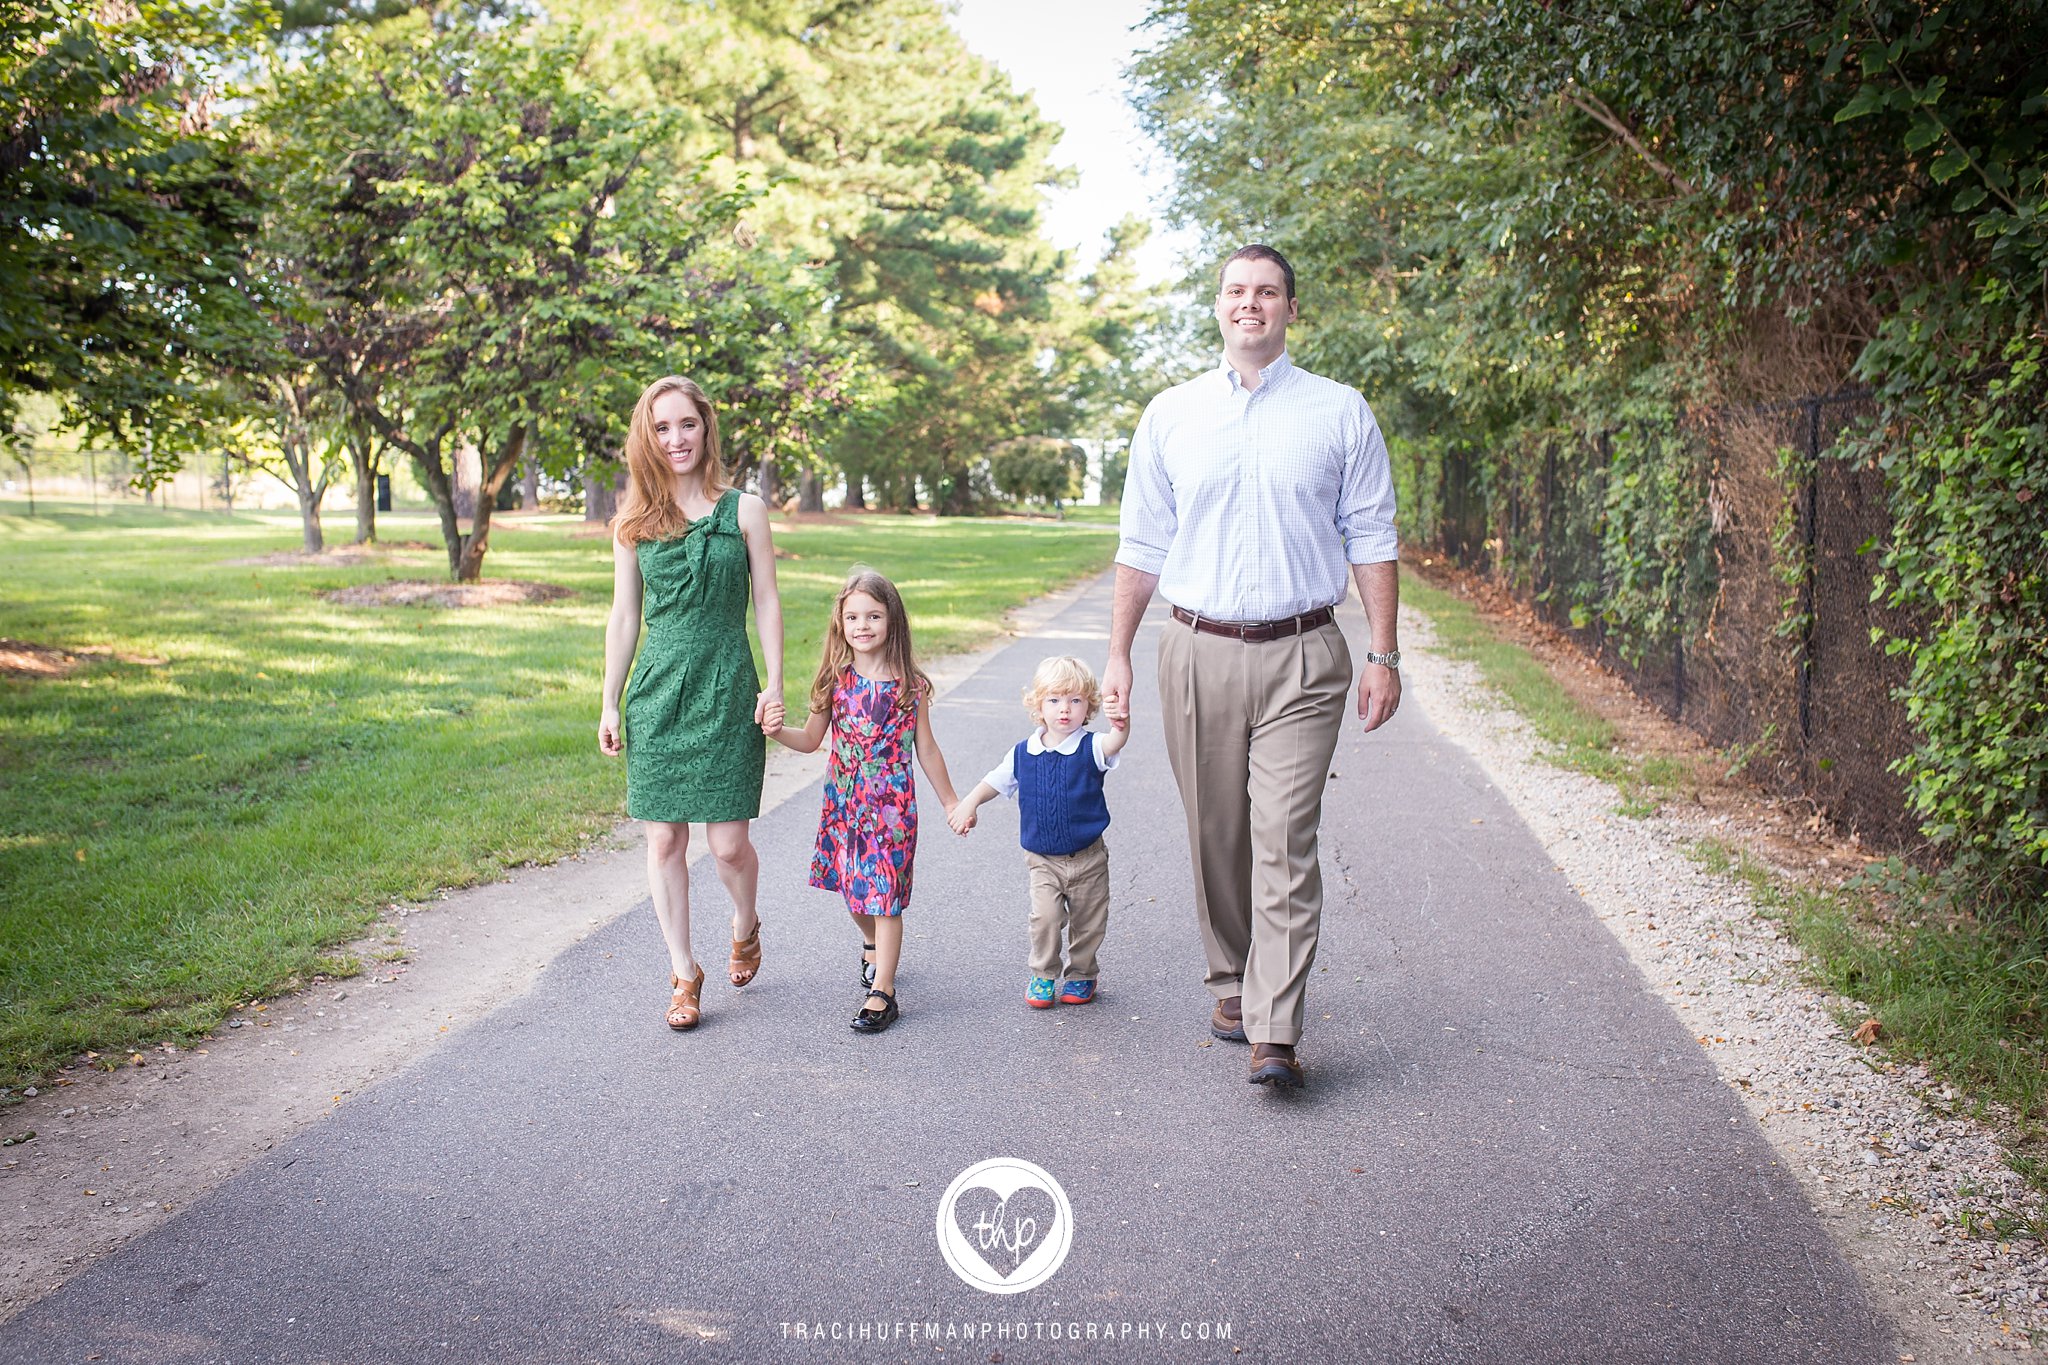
<point x="693" y="751"/>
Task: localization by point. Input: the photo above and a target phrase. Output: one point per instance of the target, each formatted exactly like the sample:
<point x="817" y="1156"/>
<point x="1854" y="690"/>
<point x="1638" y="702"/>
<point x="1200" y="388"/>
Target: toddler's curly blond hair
<point x="1062" y="673"/>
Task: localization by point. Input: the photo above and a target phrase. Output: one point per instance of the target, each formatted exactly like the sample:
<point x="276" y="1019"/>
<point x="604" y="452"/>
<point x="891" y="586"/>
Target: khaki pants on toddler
<point x="1069" y="891"/>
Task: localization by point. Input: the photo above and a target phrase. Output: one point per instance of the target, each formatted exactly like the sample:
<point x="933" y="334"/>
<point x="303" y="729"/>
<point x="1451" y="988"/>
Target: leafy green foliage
<point x="128" y="213"/>
<point x="909" y="171"/>
<point x="1525" y="227"/>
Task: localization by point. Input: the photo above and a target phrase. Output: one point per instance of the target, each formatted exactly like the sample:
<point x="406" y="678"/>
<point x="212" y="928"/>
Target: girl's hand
<point x="608" y="732"/>
<point x="961" y="818"/>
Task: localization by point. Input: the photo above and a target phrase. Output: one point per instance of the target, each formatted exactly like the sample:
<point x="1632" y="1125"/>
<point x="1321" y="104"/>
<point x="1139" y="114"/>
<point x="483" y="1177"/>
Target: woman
<point x="688" y="551"/>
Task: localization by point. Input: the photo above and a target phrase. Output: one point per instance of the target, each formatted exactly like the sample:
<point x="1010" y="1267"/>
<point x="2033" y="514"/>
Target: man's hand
<point x="1116" y="691"/>
<point x="1379" y="695"/>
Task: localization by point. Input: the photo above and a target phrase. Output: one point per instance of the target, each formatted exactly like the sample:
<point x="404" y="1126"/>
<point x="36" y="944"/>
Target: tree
<point x="1525" y="219"/>
<point x="1038" y="469"/>
<point x="909" y="170"/>
<point x="129" y="216"/>
<point x="497" y="232"/>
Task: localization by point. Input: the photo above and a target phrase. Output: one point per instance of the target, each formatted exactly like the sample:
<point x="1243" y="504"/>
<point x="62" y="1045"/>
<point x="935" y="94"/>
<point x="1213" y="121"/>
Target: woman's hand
<point x="608" y="732"/>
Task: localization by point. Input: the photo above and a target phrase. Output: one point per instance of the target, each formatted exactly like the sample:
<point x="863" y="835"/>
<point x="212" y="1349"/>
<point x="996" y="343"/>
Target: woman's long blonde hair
<point x="649" y="511"/>
<point x="896" y="650"/>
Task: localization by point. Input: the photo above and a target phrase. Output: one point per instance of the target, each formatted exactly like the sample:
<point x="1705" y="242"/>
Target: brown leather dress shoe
<point x="1227" y="1022"/>
<point x="1274" y="1064"/>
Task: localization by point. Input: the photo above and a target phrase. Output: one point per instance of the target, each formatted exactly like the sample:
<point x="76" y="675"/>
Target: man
<point x="1251" y="490"/>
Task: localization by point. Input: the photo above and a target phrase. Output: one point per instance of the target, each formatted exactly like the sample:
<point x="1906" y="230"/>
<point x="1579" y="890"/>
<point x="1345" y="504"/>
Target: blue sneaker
<point x="1077" y="992"/>
<point x="1038" y="994"/>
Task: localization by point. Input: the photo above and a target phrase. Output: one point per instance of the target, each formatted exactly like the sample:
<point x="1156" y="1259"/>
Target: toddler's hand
<point x="961" y="818"/>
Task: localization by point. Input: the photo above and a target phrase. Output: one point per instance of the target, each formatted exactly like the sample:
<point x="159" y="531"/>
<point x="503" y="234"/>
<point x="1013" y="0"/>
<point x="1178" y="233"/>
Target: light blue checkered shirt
<point x="1250" y="506"/>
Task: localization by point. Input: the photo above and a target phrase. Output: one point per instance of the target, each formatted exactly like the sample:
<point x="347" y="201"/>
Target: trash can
<point x="383" y="492"/>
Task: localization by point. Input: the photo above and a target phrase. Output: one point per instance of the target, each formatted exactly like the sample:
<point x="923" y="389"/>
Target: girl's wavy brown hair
<point x="896" y="651"/>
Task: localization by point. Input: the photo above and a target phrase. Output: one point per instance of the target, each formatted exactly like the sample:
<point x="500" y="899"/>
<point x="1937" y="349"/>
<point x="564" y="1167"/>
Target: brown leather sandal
<point x="746" y="957"/>
<point x="683" y="1010"/>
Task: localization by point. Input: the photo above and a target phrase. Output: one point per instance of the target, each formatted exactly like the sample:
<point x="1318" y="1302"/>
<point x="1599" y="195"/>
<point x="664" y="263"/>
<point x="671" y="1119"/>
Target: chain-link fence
<point x="1768" y="653"/>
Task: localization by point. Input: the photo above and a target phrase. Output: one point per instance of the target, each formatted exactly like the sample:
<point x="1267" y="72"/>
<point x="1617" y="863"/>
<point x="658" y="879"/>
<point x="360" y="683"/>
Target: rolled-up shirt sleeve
<point x="1365" y="500"/>
<point x="1147" y="522"/>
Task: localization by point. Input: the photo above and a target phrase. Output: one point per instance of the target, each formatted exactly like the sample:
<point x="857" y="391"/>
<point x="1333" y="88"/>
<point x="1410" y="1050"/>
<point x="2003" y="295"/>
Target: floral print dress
<point x="867" y="831"/>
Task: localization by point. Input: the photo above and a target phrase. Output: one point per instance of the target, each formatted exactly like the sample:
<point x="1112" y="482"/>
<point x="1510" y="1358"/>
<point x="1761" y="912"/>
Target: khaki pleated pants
<point x="1250" y="730"/>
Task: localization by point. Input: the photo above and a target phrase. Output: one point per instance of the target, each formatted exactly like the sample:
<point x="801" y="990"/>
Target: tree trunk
<point x="362" y="454"/>
<point x="529" y="488"/>
<point x="766" y="485"/>
<point x="468" y="475"/>
<point x="309" y="518"/>
<point x="426" y="459"/>
<point x="600" y="491"/>
<point x="856" y="492"/>
<point x="810" y="492"/>
<point x="478" y="544"/>
<point x="295" y="442"/>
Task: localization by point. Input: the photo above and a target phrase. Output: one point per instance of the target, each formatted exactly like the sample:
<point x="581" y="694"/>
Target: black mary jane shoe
<point x="867" y="966"/>
<point x="874" y="1021"/>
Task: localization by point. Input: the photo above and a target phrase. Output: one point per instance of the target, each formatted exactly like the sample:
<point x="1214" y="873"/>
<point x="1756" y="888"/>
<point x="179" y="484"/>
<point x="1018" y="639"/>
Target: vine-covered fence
<point x="1739" y="600"/>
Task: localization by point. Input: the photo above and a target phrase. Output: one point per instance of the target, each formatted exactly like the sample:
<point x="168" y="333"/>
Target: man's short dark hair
<point x="1259" y="251"/>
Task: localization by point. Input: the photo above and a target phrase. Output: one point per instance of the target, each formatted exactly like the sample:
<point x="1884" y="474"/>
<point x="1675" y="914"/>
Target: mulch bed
<point x="25" y="659"/>
<point x="417" y="592"/>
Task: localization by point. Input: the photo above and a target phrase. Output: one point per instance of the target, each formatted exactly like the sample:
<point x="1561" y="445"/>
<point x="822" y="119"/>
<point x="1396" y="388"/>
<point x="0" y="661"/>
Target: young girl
<point x="689" y="551"/>
<point x="875" y="702"/>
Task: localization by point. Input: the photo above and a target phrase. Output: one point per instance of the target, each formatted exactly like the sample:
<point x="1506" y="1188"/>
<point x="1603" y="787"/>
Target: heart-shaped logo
<point x="1005" y="1225"/>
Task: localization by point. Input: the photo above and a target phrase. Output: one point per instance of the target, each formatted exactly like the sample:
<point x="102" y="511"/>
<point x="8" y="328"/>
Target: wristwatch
<point x="1390" y="659"/>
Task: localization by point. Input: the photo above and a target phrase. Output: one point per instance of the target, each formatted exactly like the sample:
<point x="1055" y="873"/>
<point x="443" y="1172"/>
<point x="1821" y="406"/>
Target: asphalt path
<point x="1508" y="1149"/>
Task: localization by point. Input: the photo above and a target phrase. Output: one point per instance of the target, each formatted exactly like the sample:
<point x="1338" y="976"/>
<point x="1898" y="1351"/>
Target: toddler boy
<point x="1056" y="777"/>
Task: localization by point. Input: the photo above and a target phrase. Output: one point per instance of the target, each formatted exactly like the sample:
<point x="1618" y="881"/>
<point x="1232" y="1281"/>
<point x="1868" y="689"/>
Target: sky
<point x="1070" y="55"/>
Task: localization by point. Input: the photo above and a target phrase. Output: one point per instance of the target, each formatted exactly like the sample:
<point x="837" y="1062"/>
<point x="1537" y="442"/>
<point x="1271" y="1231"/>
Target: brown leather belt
<point x="1256" y="632"/>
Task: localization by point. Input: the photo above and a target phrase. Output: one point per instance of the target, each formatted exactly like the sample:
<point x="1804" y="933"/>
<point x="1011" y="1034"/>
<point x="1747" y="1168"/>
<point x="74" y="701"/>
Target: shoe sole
<point x="1077" y="1000"/>
<point x="1038" y="1004"/>
<point x="1285" y="1077"/>
<point x="1236" y="1035"/>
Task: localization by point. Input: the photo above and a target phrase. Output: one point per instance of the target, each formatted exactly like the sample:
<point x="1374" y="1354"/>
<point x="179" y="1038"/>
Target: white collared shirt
<point x="1003" y="777"/>
<point x="1251" y="504"/>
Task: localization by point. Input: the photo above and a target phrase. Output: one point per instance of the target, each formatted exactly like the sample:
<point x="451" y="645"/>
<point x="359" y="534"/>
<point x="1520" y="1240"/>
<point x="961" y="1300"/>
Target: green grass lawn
<point x="249" y="772"/>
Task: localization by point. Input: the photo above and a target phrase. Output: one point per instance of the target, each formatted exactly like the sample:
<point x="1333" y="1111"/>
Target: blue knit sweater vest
<point x="1059" y="799"/>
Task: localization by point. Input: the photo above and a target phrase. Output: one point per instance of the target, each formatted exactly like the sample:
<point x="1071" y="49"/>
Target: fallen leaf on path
<point x="1866" y="1032"/>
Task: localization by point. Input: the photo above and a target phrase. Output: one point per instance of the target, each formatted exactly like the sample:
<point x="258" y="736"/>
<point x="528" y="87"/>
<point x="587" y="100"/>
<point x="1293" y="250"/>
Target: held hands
<point x="1116" y="691"/>
<point x="768" y="713"/>
<point x="962" y="817"/>
<point x="608" y="732"/>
